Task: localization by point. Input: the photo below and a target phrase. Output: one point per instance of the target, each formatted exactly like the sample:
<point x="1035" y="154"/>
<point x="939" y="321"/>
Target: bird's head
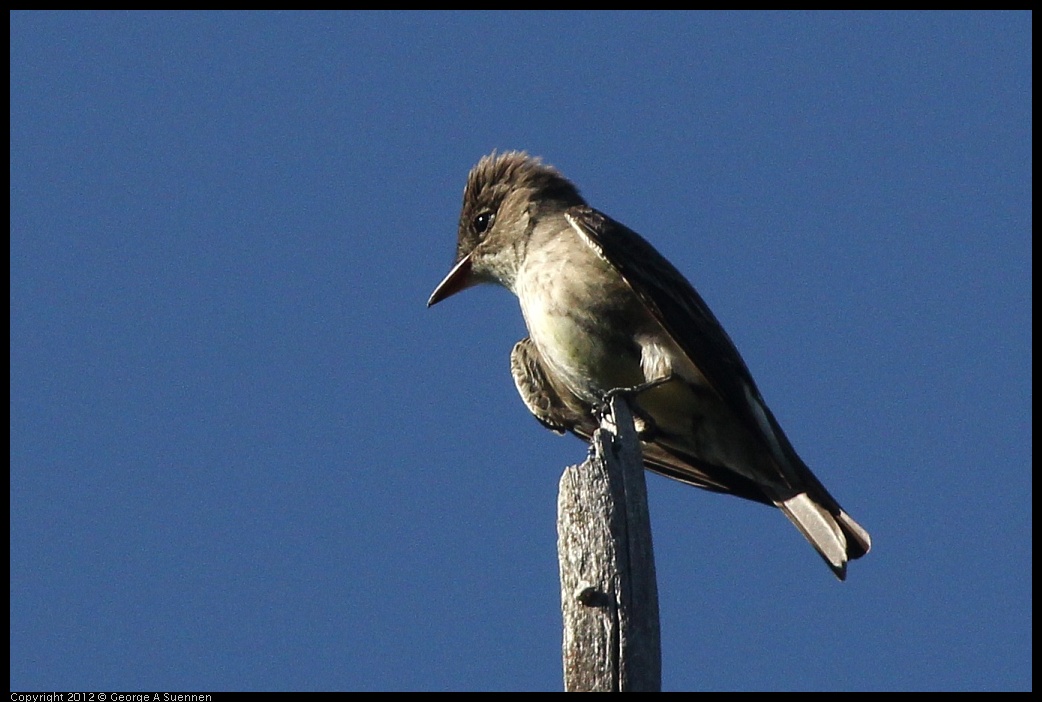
<point x="504" y="196"/>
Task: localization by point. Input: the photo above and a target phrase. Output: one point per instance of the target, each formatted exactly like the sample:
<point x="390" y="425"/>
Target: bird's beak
<point x="457" y="279"/>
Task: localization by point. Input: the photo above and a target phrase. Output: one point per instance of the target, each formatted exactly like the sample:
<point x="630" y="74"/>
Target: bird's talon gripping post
<point x="630" y="394"/>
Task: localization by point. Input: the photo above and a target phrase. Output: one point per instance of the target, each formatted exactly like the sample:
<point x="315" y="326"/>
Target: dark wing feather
<point x="682" y="313"/>
<point x="675" y="304"/>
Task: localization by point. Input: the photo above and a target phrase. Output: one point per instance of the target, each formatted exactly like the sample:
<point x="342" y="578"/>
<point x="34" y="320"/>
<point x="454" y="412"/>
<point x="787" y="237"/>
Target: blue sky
<point x="245" y="456"/>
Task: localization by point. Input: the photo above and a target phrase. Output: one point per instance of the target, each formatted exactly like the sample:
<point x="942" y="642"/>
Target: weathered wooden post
<point x="609" y="598"/>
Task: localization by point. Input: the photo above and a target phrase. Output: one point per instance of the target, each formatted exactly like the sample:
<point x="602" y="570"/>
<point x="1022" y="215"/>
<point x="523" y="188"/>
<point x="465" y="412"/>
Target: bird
<point x="606" y="312"/>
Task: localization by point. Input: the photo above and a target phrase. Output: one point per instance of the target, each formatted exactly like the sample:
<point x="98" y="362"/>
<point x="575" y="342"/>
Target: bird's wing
<point x="554" y="405"/>
<point x="682" y="312"/>
<point x="684" y="315"/>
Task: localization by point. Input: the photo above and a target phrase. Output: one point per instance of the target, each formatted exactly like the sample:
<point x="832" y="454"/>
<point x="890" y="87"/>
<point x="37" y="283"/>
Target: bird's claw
<point x="645" y="425"/>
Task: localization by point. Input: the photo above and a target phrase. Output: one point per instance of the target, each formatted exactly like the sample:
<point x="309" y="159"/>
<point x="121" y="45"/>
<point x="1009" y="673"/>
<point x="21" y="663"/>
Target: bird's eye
<point x="482" y="222"/>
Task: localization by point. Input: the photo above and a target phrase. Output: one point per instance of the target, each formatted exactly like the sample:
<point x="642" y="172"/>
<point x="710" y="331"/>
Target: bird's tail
<point x="836" y="536"/>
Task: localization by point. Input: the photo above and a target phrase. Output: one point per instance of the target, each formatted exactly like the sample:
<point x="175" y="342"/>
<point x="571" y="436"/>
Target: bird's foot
<point x="644" y="424"/>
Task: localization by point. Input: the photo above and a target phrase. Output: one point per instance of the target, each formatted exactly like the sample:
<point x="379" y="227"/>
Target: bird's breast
<point x="583" y="318"/>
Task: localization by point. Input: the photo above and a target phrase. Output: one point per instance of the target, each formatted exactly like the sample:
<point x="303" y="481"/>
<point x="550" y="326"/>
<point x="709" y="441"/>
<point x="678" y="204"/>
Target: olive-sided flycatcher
<point x="606" y="311"/>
